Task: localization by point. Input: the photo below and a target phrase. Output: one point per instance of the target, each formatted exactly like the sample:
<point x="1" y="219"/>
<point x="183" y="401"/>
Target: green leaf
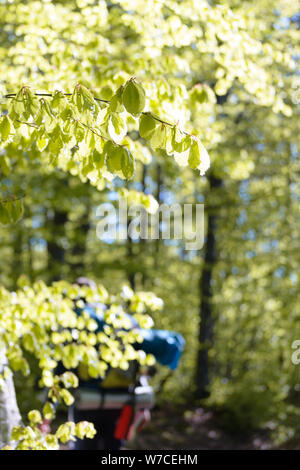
<point x="4" y="215"/>
<point x="79" y="132"/>
<point x="6" y="128"/>
<point x="117" y="127"/>
<point x="35" y="417"/>
<point x="98" y="159"/>
<point x="17" y="433"/>
<point x="133" y="97"/>
<point x="17" y="210"/>
<point x="69" y="379"/>
<point x="5" y="165"/>
<point x="31" y="102"/>
<point x="11" y="211"/>
<point x="194" y="155"/>
<point x="41" y="143"/>
<point x="48" y="410"/>
<point x="56" y="142"/>
<point x="202" y="94"/>
<point x="67" y="397"/>
<point x="47" y="378"/>
<point x="85" y="429"/>
<point x="106" y="92"/>
<point x="88" y="99"/>
<point x="65" y="432"/>
<point x="159" y="137"/>
<point x="198" y="157"/>
<point x="180" y="141"/>
<point x="59" y="102"/>
<point x="47" y="109"/>
<point x="49" y="120"/>
<point x="113" y="156"/>
<point x="127" y="163"/>
<point x="19" y="103"/>
<point x="147" y="126"/>
<point x="116" y="102"/>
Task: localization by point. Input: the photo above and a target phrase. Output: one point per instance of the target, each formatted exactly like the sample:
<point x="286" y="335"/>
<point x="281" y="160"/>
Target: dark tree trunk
<point x="79" y="243"/>
<point x="130" y="269"/>
<point x="159" y="182"/>
<point x="206" y="293"/>
<point x="17" y="262"/>
<point x="56" y="251"/>
<point x="142" y="244"/>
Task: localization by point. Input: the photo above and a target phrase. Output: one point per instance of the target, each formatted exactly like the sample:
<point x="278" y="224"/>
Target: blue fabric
<point x="98" y="317"/>
<point x="166" y="346"/>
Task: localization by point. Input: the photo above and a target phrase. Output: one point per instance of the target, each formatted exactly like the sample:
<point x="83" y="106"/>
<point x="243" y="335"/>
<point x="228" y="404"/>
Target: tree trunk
<point x="17" y="261"/>
<point x="130" y="270"/>
<point x="56" y="250"/>
<point x="9" y="411"/>
<point x="159" y="182"/>
<point x="80" y="233"/>
<point x="206" y="292"/>
<point x="143" y="242"/>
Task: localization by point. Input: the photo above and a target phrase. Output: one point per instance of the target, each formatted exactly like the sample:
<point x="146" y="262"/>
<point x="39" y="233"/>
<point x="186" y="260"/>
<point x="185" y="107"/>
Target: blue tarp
<point x="166" y="346"/>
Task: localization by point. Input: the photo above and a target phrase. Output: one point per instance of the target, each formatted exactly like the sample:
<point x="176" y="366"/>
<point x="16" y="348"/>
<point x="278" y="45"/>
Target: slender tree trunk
<point x="142" y="244"/>
<point x="159" y="182"/>
<point x="17" y="261"/>
<point x="79" y="243"/>
<point x="9" y="411"/>
<point x="130" y="256"/>
<point x="206" y="293"/>
<point x="56" y="250"/>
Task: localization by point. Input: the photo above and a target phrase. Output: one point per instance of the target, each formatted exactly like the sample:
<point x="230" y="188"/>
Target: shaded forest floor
<point x="196" y="429"/>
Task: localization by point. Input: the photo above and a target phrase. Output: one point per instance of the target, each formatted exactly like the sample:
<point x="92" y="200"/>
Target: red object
<point x="124" y="422"/>
<point x="140" y="419"/>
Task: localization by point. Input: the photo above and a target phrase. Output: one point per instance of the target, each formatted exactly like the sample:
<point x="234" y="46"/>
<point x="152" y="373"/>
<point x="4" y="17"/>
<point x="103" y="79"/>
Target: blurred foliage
<point x="226" y="71"/>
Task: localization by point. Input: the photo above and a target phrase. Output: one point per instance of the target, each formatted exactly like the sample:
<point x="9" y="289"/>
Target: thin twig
<point x="92" y="130"/>
<point x="13" y="95"/>
<point x="31" y="124"/>
<point x="3" y="201"/>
